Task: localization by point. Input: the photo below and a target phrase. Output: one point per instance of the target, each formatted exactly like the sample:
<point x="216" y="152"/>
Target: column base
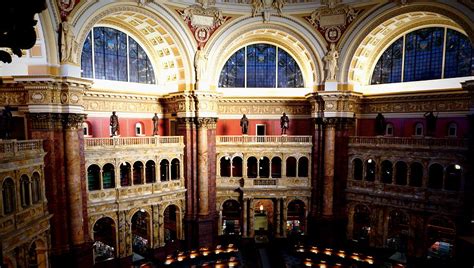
<point x="205" y="229"/>
<point x="78" y="256"/>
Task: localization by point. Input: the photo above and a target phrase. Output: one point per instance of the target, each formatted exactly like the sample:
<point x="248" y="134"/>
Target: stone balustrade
<point x="94" y="143"/>
<point x="281" y="183"/>
<point x="9" y="148"/>
<point x="420" y="142"/>
<point x="264" y="139"/>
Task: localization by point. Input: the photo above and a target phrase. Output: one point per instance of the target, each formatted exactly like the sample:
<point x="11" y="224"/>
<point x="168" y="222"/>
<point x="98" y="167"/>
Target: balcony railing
<point x="132" y="141"/>
<point x="14" y="147"/>
<point x="264" y="139"/>
<point x="284" y="182"/>
<point x="410" y="142"/>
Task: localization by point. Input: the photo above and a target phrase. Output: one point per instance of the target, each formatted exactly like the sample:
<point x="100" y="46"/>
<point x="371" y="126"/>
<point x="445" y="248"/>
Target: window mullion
<point x="245" y="67"/>
<point x="443" y="63"/>
<point x="403" y="59"/>
<point x="93" y="53"/>
<point x="128" y="61"/>
<point x="276" y="67"/>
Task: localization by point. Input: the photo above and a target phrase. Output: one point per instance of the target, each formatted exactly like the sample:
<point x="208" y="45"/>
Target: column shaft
<point x="328" y="184"/>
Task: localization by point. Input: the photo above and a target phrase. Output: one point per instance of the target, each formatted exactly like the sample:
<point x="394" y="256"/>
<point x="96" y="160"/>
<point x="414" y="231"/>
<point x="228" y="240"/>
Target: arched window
<point x="108" y="176"/>
<point x="276" y="167"/>
<point x="418" y="129"/>
<point x="125" y="174"/>
<point x="389" y="129"/>
<point x="452" y="130"/>
<point x="303" y="167"/>
<point x="416" y="175"/>
<point x="25" y="191"/>
<point x="387" y="171"/>
<point x="35" y="188"/>
<point x="252" y="167"/>
<point x="93" y="177"/>
<point x="291" y="167"/>
<point x="264" y="167"/>
<point x="112" y="55"/>
<point x="139" y="129"/>
<point x="236" y="167"/>
<point x="261" y="65"/>
<point x="164" y="170"/>
<point x="138" y="173"/>
<point x="370" y="170"/>
<point x="8" y="196"/>
<point x="419" y="55"/>
<point x="401" y="170"/>
<point x="435" y="176"/>
<point x="358" y="169"/>
<point x="175" y="169"/>
<point x="225" y="166"/>
<point x="86" y="129"/>
<point x="453" y="178"/>
<point x="150" y="171"/>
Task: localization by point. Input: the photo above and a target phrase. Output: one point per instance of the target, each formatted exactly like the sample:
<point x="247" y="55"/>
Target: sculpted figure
<point x="257" y="6"/>
<point x="331" y="62"/>
<point x="114" y="124"/>
<point x="284" y="123"/>
<point x="6" y="123"/>
<point x="278" y="5"/>
<point x="200" y="61"/>
<point x="380" y="124"/>
<point x="244" y="123"/>
<point x="155" y="124"/>
<point x="67" y="41"/>
<point x="430" y="123"/>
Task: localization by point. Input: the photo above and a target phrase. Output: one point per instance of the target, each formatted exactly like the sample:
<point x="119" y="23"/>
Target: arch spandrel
<point x="159" y="31"/>
<point x="371" y="36"/>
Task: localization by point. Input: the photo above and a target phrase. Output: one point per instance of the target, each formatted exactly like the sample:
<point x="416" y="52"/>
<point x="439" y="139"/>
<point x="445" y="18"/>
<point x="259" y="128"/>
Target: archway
<point x="295" y="223"/>
<point x="231" y="217"/>
<point x="361" y="222"/>
<point x="37" y="257"/>
<point x="397" y="232"/>
<point x="140" y="231"/>
<point x="171" y="224"/>
<point x="264" y="217"/>
<point x="104" y="239"/>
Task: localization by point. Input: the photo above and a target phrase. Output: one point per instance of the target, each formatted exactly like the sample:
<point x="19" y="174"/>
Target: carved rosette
<point x="206" y="122"/>
<point x="333" y="19"/>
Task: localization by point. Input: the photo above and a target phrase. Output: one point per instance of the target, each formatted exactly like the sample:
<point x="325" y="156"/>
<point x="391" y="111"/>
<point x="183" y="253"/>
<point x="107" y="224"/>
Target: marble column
<point x="278" y="217"/>
<point x="251" y="217"/>
<point x="244" y="218"/>
<point x="203" y="176"/>
<point x="156" y="226"/>
<point x="328" y="182"/>
<point x="285" y="216"/>
<point x="73" y="178"/>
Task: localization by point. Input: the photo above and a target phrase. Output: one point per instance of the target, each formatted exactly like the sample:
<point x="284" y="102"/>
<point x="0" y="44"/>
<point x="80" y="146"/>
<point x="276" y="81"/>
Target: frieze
<point x="206" y="122"/>
<point x="416" y="103"/>
<point x="263" y="107"/>
<point x="124" y="103"/>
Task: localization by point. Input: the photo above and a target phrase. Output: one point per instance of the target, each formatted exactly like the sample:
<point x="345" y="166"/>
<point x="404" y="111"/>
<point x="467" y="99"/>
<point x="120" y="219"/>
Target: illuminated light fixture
<point x="218" y="249"/>
<point x="233" y="262"/>
<point x="261" y="208"/>
<point x="204" y="251"/>
<point x="341" y="254"/>
<point x="169" y="260"/>
<point x="369" y="161"/>
<point x="300" y="249"/>
<point x="219" y="264"/>
<point x="328" y="251"/>
<point x="458" y="167"/>
<point x="193" y="254"/>
<point x="369" y="260"/>
<point x="308" y="262"/>
<point x="314" y="250"/>
<point x="142" y="210"/>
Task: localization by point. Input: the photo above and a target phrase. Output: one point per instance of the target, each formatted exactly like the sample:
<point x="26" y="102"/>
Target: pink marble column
<point x="328" y="183"/>
<point x="203" y="176"/>
<point x="73" y="178"/>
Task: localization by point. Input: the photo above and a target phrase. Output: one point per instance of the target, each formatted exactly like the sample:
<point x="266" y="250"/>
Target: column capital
<point x="206" y="122"/>
<point x="73" y="121"/>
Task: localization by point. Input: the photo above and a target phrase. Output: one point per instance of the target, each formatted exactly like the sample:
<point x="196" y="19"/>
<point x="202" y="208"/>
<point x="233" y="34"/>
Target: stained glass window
<point x="423" y="57"/>
<point x="261" y="65"/>
<point x="105" y="53"/>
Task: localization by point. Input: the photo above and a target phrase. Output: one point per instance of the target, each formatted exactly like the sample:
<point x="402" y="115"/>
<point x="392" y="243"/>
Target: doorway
<point x="260" y="132"/>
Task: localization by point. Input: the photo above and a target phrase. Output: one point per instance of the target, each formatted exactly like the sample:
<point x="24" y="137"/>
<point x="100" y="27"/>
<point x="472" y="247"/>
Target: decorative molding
<point x="333" y="19"/>
<point x="263" y="107"/>
<point x="266" y="8"/>
<point x="206" y="122"/>
<point x="203" y="20"/>
<point x="103" y="102"/>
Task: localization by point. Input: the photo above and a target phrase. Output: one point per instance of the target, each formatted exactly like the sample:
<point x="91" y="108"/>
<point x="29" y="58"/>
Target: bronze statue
<point x="430" y="123"/>
<point x="244" y="123"/>
<point x="380" y="124"/>
<point x="284" y="123"/>
<point x="6" y="123"/>
<point x="155" y="124"/>
<point x="114" y="124"/>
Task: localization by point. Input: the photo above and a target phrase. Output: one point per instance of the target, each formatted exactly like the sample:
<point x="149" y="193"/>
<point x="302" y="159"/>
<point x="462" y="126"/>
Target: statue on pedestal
<point x="114" y="124"/>
<point x="331" y="63"/>
<point x="380" y="125"/>
<point x="284" y="123"/>
<point x="244" y="123"/>
<point x="155" y="124"/>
